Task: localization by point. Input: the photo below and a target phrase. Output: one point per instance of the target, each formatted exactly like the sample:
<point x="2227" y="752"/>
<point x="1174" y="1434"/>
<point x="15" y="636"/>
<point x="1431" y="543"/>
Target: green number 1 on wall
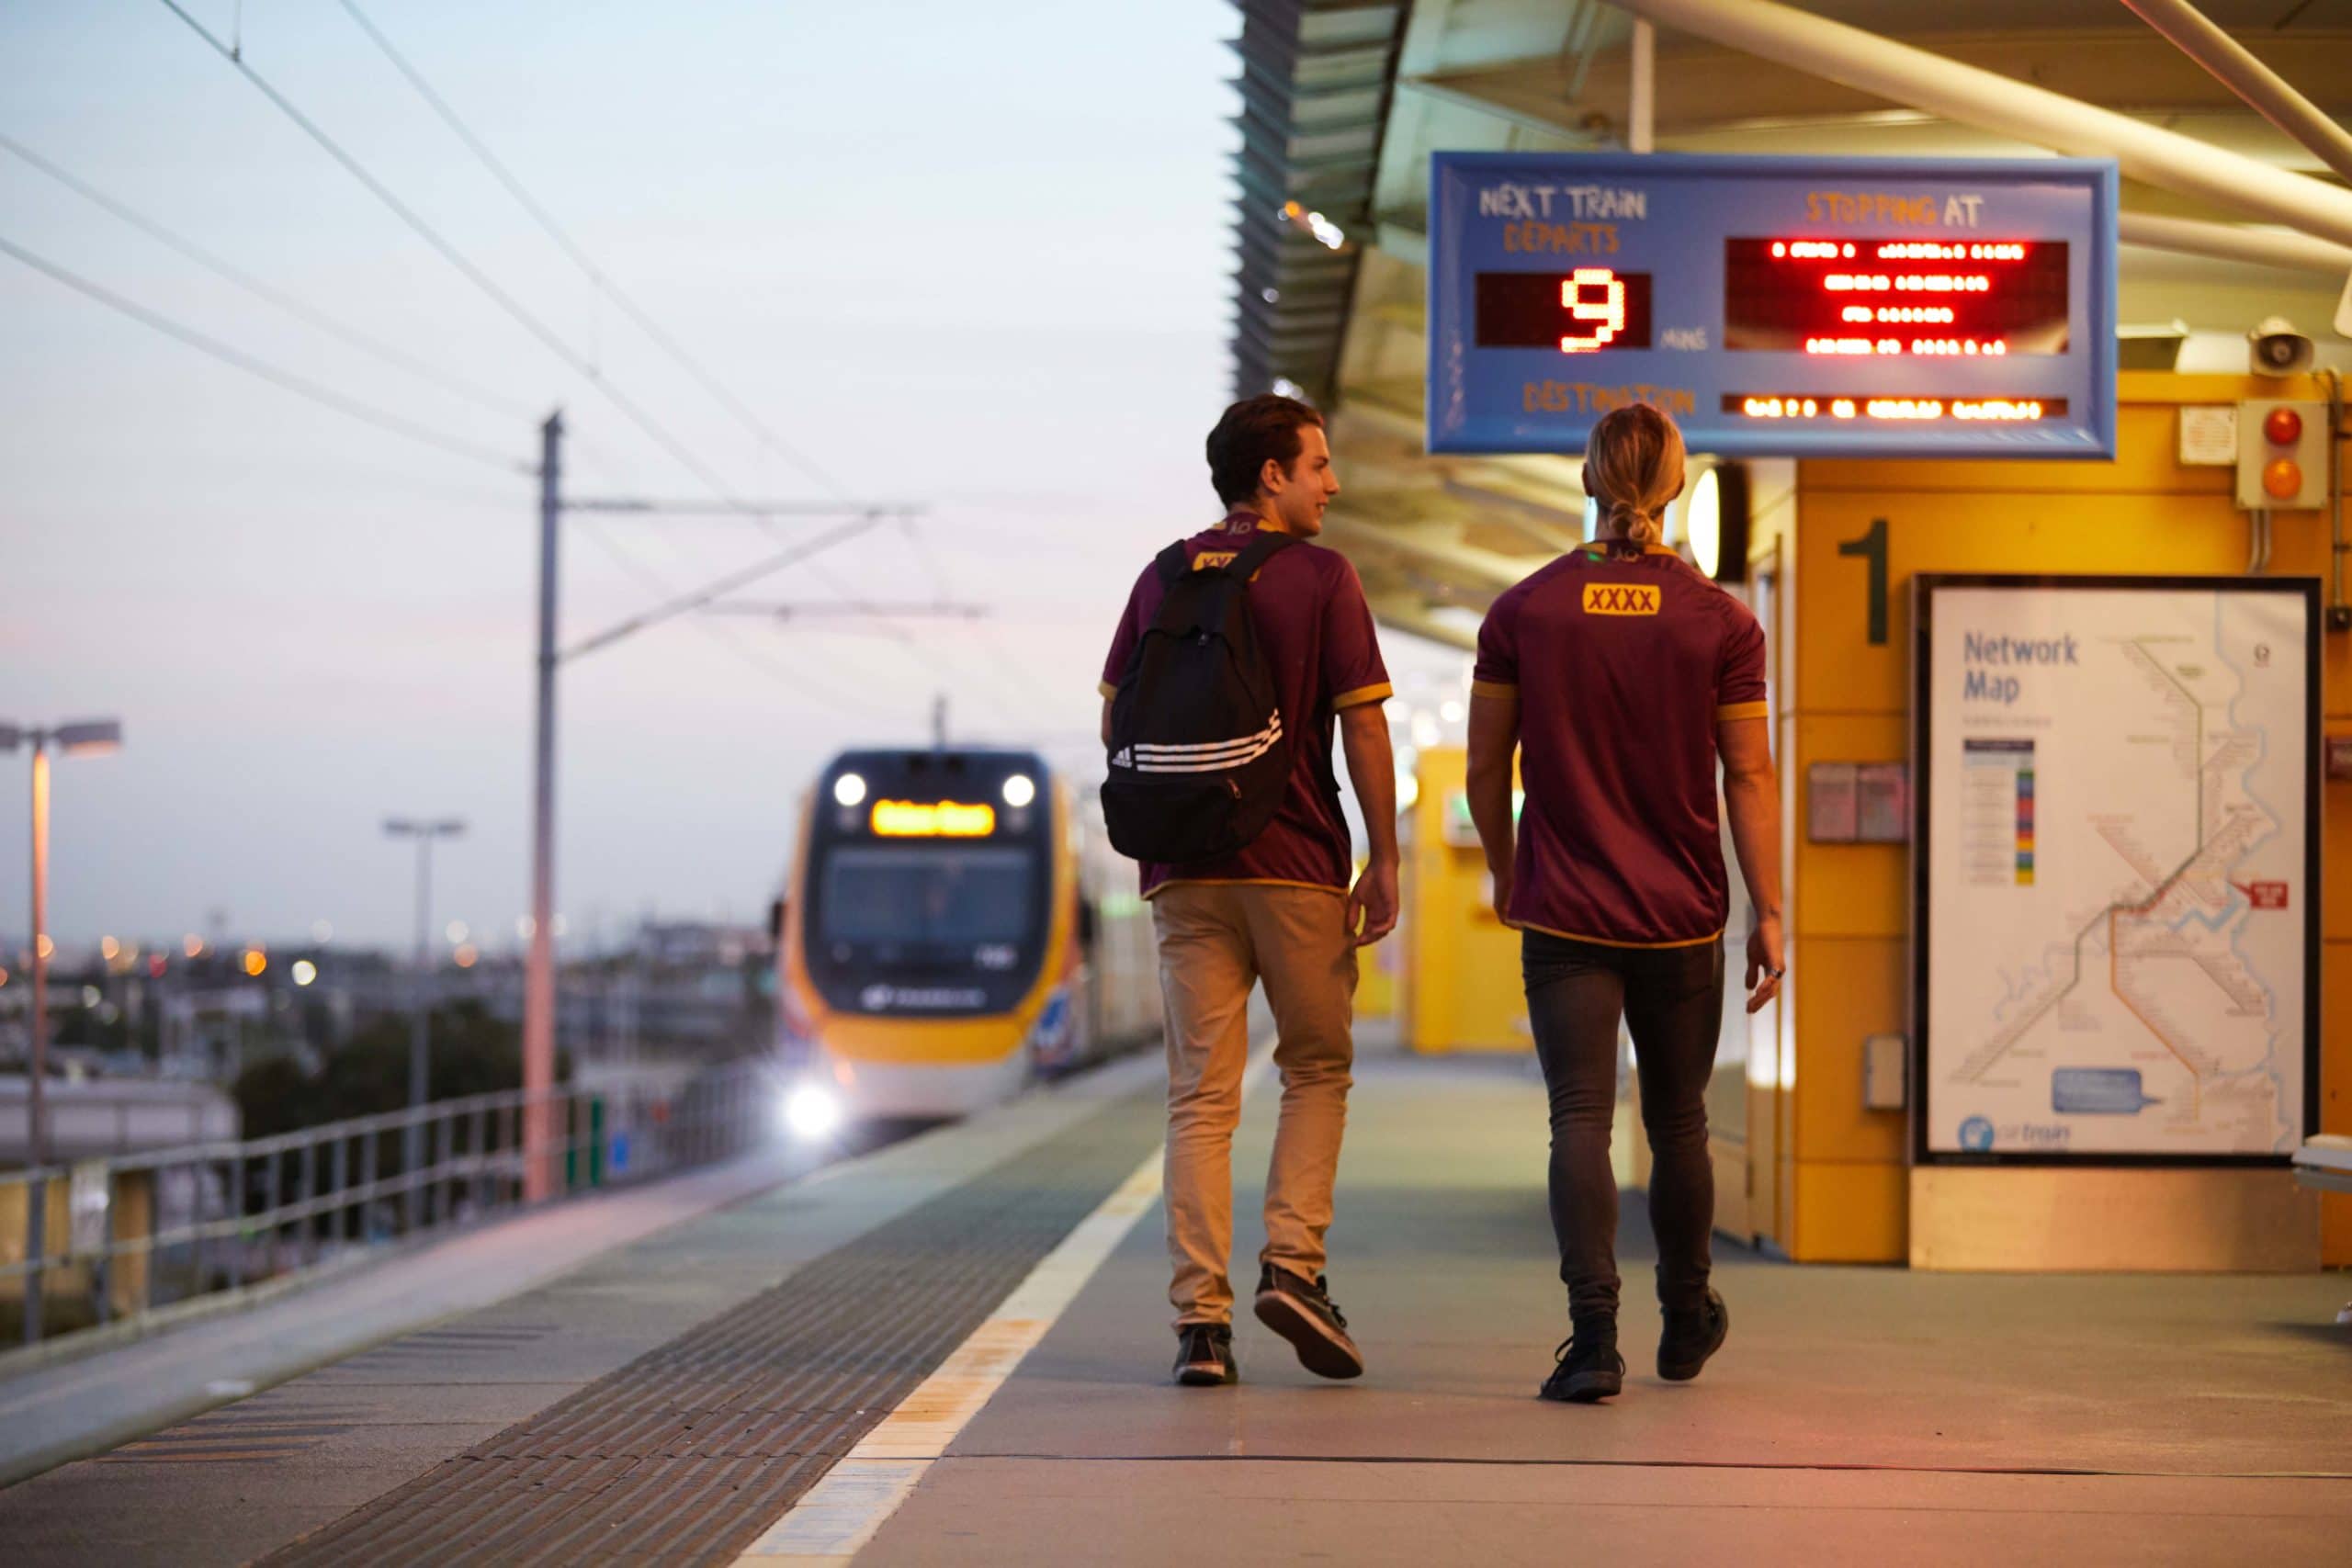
<point x="1872" y="546"/>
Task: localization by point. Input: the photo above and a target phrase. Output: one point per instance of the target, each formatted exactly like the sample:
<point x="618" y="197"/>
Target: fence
<point x="117" y="1238"/>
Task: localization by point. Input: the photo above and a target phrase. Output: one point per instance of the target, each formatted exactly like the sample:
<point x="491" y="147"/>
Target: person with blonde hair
<point x="1621" y="676"/>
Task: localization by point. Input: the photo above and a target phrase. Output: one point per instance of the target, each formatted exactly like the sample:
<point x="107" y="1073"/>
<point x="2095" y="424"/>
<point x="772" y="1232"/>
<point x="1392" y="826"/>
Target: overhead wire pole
<point x="539" y="974"/>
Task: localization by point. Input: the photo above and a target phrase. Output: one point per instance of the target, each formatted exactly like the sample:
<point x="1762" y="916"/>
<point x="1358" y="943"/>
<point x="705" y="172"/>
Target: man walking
<point x="1280" y="908"/>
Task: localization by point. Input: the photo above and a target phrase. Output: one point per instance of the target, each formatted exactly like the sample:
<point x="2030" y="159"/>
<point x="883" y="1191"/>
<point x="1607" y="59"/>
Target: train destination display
<point x="2116" y="868"/>
<point x="1801" y="307"/>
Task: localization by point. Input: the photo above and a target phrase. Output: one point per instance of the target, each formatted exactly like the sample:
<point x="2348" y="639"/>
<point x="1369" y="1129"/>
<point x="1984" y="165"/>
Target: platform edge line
<point x="834" y="1520"/>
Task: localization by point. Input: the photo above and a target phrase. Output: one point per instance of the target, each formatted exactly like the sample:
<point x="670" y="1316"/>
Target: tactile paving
<point x="686" y="1454"/>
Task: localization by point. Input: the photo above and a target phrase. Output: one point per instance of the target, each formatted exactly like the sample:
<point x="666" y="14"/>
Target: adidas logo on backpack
<point x="1198" y="757"/>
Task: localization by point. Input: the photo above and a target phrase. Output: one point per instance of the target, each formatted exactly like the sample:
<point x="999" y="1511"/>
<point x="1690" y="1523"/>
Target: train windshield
<point x="933" y="896"/>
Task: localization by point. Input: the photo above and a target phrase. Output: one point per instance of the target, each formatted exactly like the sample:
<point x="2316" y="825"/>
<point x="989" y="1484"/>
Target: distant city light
<point x="92" y="996"/>
<point x="523" y="925"/>
<point x="322" y="931"/>
<point x="304" y="971"/>
<point x="257" y="960"/>
<point x="1020" y="789"/>
<point x="457" y="932"/>
<point x="466" y="956"/>
<point x="193" y="945"/>
<point x="3" y="976"/>
<point x="156" y="966"/>
<point x="109" y="948"/>
<point x="47" y="946"/>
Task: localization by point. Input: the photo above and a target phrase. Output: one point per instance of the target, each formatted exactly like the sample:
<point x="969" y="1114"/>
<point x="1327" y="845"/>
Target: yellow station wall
<point x="1460" y="971"/>
<point x="1836" y="1172"/>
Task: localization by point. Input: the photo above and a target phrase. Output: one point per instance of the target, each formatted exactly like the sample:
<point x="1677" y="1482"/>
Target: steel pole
<point x="36" y="1103"/>
<point x="2266" y="92"/>
<point x="420" y="1027"/>
<point x="1967" y="94"/>
<point x="1641" y="106"/>
<point x="538" y="984"/>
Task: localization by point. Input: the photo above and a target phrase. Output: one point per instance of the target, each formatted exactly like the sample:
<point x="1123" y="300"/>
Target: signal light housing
<point x="2282" y="455"/>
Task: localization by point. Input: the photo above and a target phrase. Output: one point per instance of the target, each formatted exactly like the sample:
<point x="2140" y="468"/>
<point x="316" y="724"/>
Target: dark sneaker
<point x="1205" y="1356"/>
<point x="1585" y="1368"/>
<point x="1691" y="1335"/>
<point x="1302" y="1313"/>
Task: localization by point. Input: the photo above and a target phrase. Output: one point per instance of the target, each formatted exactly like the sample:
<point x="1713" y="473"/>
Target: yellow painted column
<point x="1461" y="985"/>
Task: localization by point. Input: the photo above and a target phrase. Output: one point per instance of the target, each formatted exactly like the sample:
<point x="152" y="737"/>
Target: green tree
<point x="472" y="1053"/>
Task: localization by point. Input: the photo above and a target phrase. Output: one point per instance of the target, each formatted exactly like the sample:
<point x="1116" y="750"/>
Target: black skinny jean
<point x="1672" y="1000"/>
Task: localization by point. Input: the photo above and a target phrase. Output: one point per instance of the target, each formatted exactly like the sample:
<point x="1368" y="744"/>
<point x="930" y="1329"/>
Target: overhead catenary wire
<point x="595" y="275"/>
<point x="285" y="380"/>
<point x="646" y="576"/>
<point x="604" y="286"/>
<point x="547" y="337"/>
<point x="792" y="556"/>
<point x="494" y="402"/>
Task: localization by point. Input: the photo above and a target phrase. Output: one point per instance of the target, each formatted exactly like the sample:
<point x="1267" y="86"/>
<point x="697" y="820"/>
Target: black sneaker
<point x="1205" y="1356"/>
<point x="1302" y="1313"/>
<point x="1691" y="1335"/>
<point x="1585" y="1368"/>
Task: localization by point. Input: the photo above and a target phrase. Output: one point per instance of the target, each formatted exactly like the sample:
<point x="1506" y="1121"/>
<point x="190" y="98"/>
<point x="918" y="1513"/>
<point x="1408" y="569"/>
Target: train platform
<point x="956" y="1349"/>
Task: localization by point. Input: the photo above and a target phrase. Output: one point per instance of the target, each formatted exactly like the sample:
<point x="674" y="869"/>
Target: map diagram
<point x="2119" y="871"/>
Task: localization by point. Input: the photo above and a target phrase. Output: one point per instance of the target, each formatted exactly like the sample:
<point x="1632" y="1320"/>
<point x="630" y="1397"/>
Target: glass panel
<point x="945" y="896"/>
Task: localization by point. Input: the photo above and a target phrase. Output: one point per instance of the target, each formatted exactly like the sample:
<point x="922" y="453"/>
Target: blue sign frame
<point x="1655" y="229"/>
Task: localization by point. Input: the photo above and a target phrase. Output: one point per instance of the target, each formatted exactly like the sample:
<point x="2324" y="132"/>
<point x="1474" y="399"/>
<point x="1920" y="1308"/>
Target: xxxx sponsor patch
<point x="1620" y="599"/>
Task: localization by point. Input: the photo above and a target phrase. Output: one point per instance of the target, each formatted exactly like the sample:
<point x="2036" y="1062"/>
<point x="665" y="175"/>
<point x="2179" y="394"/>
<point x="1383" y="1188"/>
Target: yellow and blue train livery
<point x="934" y="939"/>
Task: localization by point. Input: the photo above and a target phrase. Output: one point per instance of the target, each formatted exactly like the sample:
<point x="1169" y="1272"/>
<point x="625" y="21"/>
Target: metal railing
<point x="120" y="1238"/>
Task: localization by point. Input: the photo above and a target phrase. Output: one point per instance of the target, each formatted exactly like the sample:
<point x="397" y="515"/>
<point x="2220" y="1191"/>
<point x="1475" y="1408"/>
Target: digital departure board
<point x="1801" y="307"/>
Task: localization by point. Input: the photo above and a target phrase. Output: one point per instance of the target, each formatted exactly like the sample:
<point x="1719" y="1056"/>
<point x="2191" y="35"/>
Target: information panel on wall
<point x="1797" y="307"/>
<point x="2115" y="871"/>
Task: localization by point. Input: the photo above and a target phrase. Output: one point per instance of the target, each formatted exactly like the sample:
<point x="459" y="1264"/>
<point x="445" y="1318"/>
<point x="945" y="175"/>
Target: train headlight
<point x="1020" y="789"/>
<point x="811" y="1112"/>
<point x="850" y="788"/>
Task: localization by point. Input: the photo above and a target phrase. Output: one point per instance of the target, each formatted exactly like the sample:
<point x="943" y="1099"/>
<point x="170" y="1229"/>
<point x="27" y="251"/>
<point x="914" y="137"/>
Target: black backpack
<point x="1199" y="756"/>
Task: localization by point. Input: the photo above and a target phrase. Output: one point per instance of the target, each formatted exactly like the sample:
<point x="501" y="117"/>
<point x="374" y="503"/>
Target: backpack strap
<point x="1175" y="563"/>
<point x="1261" y="550"/>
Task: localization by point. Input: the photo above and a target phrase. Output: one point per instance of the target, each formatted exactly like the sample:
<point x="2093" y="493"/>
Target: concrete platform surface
<point x="1856" y="1415"/>
<point x="251" y="1476"/>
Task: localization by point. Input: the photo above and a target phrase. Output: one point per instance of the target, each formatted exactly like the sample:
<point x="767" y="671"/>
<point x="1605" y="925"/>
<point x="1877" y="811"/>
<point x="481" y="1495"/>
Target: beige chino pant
<point x="1217" y="940"/>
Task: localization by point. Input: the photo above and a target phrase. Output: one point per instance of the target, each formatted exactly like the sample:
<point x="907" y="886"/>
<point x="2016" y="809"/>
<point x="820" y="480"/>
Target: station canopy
<point x="1344" y="101"/>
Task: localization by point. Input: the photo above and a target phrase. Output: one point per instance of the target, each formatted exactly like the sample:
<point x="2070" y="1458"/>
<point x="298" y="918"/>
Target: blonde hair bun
<point x="1634" y="464"/>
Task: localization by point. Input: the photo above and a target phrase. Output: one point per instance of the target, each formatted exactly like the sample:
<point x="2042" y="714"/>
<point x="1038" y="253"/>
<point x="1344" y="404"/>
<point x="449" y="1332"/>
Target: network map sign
<point x="1797" y="307"/>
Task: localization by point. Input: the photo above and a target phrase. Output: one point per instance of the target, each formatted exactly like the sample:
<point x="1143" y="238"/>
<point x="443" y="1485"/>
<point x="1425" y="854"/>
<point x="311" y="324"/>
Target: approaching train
<point x="952" y="927"/>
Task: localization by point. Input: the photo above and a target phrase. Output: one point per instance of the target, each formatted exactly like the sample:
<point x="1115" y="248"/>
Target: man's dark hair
<point x="1253" y="431"/>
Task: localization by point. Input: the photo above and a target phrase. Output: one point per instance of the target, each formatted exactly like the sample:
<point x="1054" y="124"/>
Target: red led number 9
<point x="1594" y="298"/>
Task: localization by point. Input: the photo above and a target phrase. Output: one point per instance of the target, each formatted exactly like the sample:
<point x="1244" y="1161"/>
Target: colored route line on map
<point x="2114" y="983"/>
<point x="2109" y="913"/>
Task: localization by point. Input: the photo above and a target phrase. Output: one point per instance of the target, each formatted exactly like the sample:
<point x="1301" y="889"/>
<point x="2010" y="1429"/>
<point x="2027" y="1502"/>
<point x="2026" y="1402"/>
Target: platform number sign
<point x="1795" y="306"/>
